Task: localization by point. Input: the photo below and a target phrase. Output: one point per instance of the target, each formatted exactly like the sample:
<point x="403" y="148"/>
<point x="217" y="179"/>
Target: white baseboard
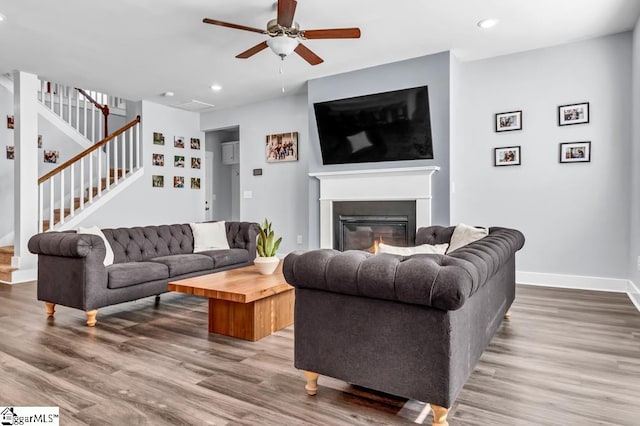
<point x="579" y="282"/>
<point x="634" y="294"/>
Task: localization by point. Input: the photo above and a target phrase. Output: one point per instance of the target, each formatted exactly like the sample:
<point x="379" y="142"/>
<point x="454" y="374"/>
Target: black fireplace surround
<point x="359" y="225"/>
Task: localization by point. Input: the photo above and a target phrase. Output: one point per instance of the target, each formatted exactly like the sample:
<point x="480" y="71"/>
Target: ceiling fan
<point x="285" y="34"/>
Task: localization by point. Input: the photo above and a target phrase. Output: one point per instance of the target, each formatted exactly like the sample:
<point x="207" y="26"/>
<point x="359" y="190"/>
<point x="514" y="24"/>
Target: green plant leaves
<point x="267" y="245"/>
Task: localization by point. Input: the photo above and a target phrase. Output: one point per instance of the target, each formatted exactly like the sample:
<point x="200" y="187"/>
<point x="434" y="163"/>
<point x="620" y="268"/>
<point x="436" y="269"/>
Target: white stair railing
<point x="75" y="107"/>
<point x="70" y="187"/>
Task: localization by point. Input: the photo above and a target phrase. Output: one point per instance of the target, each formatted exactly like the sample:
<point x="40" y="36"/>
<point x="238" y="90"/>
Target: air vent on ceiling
<point x="194" y="105"/>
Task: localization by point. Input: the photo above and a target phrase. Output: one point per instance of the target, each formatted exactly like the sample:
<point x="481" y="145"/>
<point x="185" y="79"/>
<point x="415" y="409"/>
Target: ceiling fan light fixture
<point x="283" y="45"/>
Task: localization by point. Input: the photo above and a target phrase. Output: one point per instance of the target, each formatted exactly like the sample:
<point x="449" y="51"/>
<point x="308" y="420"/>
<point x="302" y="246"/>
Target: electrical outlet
<point x="248" y="194"/>
<point x="299" y="241"/>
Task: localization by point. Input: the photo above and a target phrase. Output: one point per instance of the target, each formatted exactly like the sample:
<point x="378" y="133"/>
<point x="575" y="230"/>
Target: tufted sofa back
<point x="142" y="243"/>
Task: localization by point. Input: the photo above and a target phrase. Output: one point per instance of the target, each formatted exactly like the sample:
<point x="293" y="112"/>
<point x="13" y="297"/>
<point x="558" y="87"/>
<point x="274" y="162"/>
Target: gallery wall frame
<point x="571" y="114"/>
<point x="507" y="156"/>
<point x="575" y="152"/>
<point x="508" y="121"/>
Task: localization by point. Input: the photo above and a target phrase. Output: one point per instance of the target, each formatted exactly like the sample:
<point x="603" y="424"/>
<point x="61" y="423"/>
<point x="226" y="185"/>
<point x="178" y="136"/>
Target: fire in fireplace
<point x="361" y="225"/>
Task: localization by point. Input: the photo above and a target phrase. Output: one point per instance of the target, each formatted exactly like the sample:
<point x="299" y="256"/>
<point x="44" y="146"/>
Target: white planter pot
<point x="266" y="265"/>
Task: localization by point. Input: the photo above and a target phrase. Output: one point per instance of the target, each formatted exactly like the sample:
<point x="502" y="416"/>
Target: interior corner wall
<point x="574" y="216"/>
<point x="634" y="158"/>
<point x="140" y="204"/>
<point x="431" y="71"/>
<point x="6" y="169"/>
<point x="280" y="194"/>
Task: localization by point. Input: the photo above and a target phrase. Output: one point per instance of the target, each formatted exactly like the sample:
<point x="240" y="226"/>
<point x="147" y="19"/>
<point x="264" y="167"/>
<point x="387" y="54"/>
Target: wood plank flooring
<point x="565" y="357"/>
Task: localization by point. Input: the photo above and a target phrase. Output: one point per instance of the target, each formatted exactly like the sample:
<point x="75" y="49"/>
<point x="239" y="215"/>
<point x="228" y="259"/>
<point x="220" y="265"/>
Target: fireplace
<point x="406" y="184"/>
<point x="361" y="225"/>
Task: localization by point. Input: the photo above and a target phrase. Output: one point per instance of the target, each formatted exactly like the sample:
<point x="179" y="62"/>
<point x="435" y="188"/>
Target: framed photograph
<point x="157" y="181"/>
<point x="573" y="114"/>
<point x="158" y="159"/>
<point x="178" y="181"/>
<point x="10" y="153"/>
<point x="158" y="138"/>
<point x="195" y="183"/>
<point x="195" y="143"/>
<point x="575" y="152"/>
<point x="51" y="156"/>
<point x="178" y="141"/>
<point x="508" y="121"/>
<point x="507" y="156"/>
<point x="282" y="147"/>
<point x="39" y="141"/>
<point x="195" y="162"/>
<point x="178" y="161"/>
<point x="10" y="122"/>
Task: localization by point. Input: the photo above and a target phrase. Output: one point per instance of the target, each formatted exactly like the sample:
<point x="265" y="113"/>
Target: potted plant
<point x="267" y="246"/>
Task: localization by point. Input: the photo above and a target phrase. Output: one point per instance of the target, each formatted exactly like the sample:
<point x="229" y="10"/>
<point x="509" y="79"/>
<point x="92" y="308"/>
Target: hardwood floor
<point x="565" y="357"/>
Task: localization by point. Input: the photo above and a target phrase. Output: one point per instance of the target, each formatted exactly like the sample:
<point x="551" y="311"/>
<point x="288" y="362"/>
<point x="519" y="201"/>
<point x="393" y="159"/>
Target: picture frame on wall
<point x="575" y="152"/>
<point x="178" y="142"/>
<point x="573" y="114"/>
<point x="195" y="143"/>
<point x="508" y="121"/>
<point x="195" y="162"/>
<point x="282" y="147"/>
<point x="158" y="159"/>
<point x="157" y="181"/>
<point x="158" y="138"/>
<point x="11" y="153"/>
<point x="51" y="156"/>
<point x="10" y="122"/>
<point x="506" y="156"/>
<point x="178" y="161"/>
<point x="178" y="181"/>
<point x="195" y="183"/>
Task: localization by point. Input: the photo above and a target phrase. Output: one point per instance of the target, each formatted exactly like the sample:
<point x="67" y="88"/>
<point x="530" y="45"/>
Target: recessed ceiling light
<point x="2" y="17"/>
<point x="216" y="87"/>
<point x="488" y="23"/>
<point x="168" y="94"/>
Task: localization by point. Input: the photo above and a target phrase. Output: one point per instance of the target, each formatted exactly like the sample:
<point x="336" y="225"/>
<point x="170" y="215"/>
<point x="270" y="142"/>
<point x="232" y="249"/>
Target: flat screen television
<point x="387" y="126"/>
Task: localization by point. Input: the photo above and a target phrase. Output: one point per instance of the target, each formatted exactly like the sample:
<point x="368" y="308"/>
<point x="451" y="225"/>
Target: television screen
<point x="386" y="126"/>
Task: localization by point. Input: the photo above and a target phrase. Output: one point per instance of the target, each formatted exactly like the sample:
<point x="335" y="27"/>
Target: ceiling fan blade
<point x="331" y="33"/>
<point x="286" y="10"/>
<point x="230" y="25"/>
<point x="308" y="55"/>
<point x="255" y="49"/>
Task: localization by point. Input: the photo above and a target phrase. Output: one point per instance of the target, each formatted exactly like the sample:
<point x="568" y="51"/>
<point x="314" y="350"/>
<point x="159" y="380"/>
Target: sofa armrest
<point x="67" y="244"/>
<point x="243" y="235"/>
<point x="71" y="271"/>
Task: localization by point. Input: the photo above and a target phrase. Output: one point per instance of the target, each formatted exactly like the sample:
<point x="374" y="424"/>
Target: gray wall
<point x="281" y="193"/>
<point x="575" y="216"/>
<point x="634" y="157"/>
<point x="432" y="71"/>
<point x="141" y="204"/>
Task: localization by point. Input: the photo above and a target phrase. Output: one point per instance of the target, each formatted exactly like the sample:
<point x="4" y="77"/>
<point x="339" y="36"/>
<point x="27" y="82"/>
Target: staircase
<point x="110" y="161"/>
<point x="5" y="263"/>
<point x="75" y="188"/>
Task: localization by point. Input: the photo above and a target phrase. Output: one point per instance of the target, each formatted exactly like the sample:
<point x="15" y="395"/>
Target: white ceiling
<point x="142" y="48"/>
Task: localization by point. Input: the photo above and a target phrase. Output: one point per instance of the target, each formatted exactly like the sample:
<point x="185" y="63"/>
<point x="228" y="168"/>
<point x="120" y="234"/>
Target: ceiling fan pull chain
<point x="282" y="74"/>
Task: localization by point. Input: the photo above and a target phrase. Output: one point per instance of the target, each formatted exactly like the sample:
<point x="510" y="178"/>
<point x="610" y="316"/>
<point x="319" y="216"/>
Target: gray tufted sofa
<point x="410" y="326"/>
<point x="71" y="270"/>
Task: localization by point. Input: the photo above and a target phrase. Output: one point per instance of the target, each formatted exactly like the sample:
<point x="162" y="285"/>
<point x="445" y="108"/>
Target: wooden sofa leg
<point x="51" y="308"/>
<point x="507" y="314"/>
<point x="439" y="415"/>
<point x="312" y="382"/>
<point x="91" y="317"/>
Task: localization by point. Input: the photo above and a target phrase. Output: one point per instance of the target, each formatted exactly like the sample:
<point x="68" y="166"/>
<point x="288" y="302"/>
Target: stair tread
<point x="7" y="268"/>
<point x="7" y="250"/>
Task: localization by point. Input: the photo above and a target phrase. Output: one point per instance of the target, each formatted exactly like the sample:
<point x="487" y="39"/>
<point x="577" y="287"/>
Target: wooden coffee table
<point x="242" y="302"/>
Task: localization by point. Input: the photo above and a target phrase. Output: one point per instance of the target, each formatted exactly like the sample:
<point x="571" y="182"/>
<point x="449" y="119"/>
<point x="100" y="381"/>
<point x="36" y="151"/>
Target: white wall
<point x="281" y="193"/>
<point x="6" y="169"/>
<point x="574" y="216"/>
<point x="141" y="204"/>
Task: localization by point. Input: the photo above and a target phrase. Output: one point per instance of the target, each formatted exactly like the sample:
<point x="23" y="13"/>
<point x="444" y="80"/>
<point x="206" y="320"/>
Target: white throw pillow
<point x="408" y="251"/>
<point x="465" y="234"/>
<point x="209" y="236"/>
<point x="94" y="230"/>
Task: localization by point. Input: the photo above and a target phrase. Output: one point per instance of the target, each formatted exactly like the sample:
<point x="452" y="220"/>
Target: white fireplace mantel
<point x="406" y="183"/>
